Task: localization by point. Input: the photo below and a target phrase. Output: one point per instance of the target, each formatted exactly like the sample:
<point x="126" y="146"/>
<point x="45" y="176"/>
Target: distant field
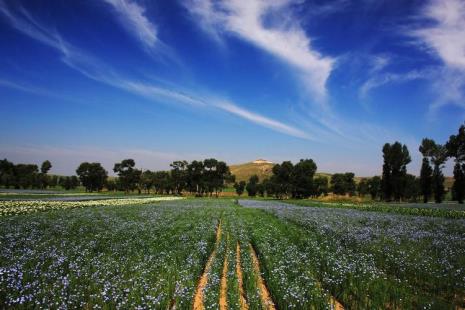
<point x="148" y="253"/>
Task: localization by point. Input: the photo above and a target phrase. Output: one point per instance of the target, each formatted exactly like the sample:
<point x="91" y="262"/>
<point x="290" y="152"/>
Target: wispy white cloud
<point x="152" y="91"/>
<point x="261" y="120"/>
<point x="23" y="88"/>
<point x="379" y="62"/>
<point x="439" y="29"/>
<point x="132" y="17"/>
<point x="22" y="21"/>
<point x="270" y="26"/>
<point x="98" y="71"/>
<point x="443" y="35"/>
<point x="379" y="80"/>
<point x="449" y="85"/>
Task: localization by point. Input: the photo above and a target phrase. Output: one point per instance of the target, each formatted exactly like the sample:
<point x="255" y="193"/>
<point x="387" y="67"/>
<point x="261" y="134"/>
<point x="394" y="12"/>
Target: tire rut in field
<point x="224" y="280"/>
<point x="333" y="302"/>
<point x="242" y="300"/>
<point x="198" y="296"/>
<point x="335" y="305"/>
<point x="172" y="305"/>
<point x="267" y="301"/>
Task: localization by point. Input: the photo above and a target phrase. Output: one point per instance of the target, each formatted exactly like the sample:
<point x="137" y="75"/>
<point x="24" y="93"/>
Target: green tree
<point x="456" y="148"/>
<point x="302" y="178"/>
<point x="426" y="179"/>
<point x="74" y="182"/>
<point x="54" y="180"/>
<point x="412" y="189"/>
<point x="320" y="186"/>
<point x="268" y="187"/>
<point x="179" y="175"/>
<point x="350" y="183"/>
<point x="239" y="187"/>
<point x="374" y="187"/>
<point x="162" y="182"/>
<point x="44" y="169"/>
<point x="216" y="175"/>
<point x="195" y="179"/>
<point x="7" y="173"/>
<point x="208" y="176"/>
<point x="251" y="186"/>
<point x="26" y="176"/>
<point x="92" y="175"/>
<point x="129" y="177"/>
<point x="111" y="185"/>
<point x="396" y="158"/>
<point x="458" y="188"/>
<point x="261" y="189"/>
<point x="146" y="180"/>
<point x="363" y="188"/>
<point x="282" y="179"/>
<point x="69" y="182"/>
<point x="343" y="183"/>
<point x="437" y="155"/>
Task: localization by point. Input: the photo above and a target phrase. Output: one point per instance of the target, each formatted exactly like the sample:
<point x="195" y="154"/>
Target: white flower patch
<point x="15" y="207"/>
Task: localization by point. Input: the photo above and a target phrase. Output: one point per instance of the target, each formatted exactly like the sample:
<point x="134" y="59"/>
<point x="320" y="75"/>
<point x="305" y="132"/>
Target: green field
<point x="211" y="253"/>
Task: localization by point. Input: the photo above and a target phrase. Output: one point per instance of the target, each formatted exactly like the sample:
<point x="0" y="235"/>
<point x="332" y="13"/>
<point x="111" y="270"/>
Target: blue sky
<point x="159" y="81"/>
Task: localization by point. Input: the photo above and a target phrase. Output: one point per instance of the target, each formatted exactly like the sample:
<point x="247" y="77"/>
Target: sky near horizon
<point x="160" y="81"/>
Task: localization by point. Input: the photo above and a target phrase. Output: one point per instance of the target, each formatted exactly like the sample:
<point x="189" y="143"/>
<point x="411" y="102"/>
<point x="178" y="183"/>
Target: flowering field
<point x="374" y="259"/>
<point x="449" y="210"/>
<point x="216" y="254"/>
<point x="12" y="207"/>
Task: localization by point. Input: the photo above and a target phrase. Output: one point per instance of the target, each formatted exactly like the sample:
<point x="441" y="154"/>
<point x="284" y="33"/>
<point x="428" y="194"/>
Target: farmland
<point x="219" y="253"/>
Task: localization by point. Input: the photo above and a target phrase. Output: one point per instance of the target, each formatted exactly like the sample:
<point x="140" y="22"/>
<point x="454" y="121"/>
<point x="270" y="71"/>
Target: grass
<point x="152" y="255"/>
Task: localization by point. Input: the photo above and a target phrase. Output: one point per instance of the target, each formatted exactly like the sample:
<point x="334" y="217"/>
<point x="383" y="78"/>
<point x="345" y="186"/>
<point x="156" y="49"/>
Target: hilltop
<point x="262" y="168"/>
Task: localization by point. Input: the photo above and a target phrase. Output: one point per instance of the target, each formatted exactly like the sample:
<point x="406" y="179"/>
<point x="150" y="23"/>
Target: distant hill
<point x="263" y="169"/>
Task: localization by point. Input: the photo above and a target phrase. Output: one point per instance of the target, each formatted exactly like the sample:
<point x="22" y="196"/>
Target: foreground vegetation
<point x="158" y="254"/>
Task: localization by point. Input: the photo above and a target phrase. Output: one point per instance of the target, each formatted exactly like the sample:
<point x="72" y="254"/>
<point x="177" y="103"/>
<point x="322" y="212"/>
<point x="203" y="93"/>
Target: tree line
<point x="211" y="176"/>
<point x="199" y="178"/>
<point x="24" y="175"/>
<point x="395" y="184"/>
<point x="297" y="181"/>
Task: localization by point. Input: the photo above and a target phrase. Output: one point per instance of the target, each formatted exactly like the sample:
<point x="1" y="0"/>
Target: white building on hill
<point x="262" y="161"/>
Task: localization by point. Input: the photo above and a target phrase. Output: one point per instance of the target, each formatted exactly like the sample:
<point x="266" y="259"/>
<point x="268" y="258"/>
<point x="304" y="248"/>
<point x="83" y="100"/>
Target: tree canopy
<point x="396" y="158"/>
<point x="92" y="175"/>
<point x="129" y="177"/>
<point x="456" y="148"/>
